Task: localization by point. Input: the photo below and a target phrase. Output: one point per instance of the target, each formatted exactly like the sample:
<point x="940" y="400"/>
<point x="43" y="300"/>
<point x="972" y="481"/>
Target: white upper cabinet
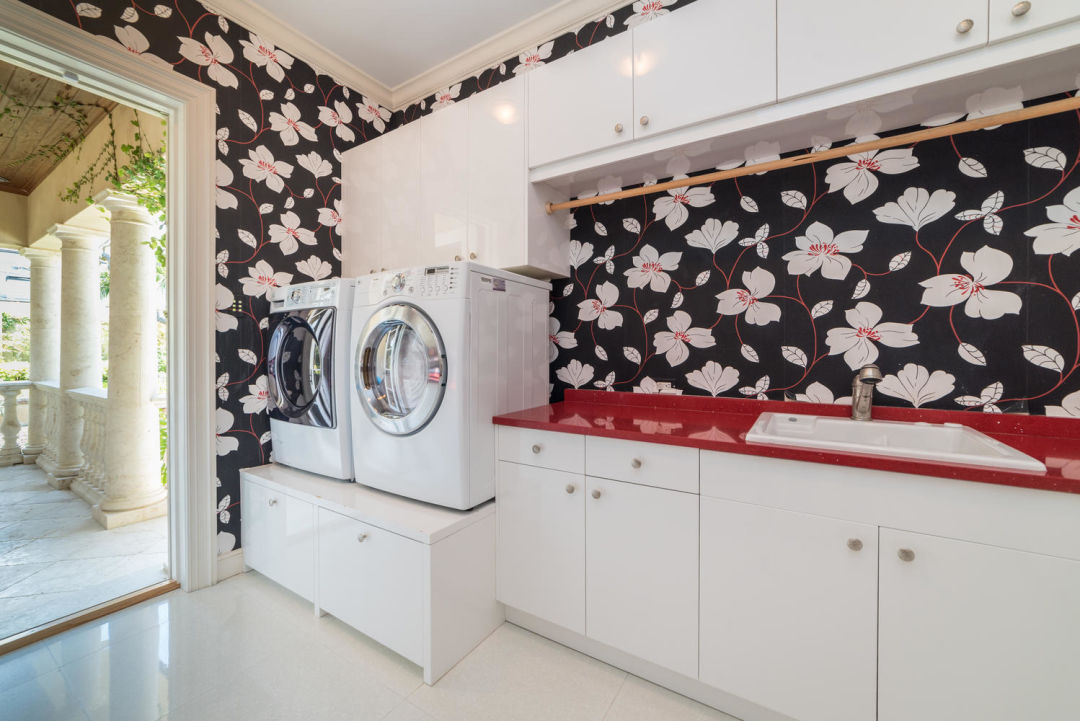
<point x="708" y="59"/>
<point x="582" y="102"/>
<point x="830" y="42"/>
<point x="1010" y="17"/>
<point x="444" y="167"/>
<point x="969" y="631"/>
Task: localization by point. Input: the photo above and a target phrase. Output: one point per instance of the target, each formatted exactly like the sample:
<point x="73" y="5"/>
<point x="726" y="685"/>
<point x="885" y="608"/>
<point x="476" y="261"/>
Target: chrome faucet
<point x="862" y="392"/>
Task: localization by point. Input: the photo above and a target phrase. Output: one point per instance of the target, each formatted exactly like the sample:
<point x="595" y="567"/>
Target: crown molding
<point x="561" y="17"/>
<point x="257" y="20"/>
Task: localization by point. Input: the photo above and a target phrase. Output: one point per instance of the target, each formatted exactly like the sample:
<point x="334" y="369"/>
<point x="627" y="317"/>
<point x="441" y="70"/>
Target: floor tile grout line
<point x="615" y="698"/>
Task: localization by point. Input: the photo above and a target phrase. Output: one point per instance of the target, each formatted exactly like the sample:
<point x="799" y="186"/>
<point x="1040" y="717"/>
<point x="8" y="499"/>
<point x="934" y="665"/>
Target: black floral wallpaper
<point x="281" y="130"/>
<point x="949" y="263"/>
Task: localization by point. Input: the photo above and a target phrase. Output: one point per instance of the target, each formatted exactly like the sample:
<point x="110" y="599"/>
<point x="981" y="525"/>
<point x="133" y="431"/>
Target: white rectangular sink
<point x="945" y="443"/>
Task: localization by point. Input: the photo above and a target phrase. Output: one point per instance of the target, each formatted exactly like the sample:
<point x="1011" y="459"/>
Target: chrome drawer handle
<point x="906" y="555"/>
<point x="361" y="538"/>
<point x="618" y="128"/>
<point x="964" y="26"/>
<point x="635" y="463"/>
<point x="854" y="544"/>
<point x="536" y="448"/>
<point x="570" y="488"/>
<point x="596" y="493"/>
<point x="272" y="502"/>
<point x="1021" y="8"/>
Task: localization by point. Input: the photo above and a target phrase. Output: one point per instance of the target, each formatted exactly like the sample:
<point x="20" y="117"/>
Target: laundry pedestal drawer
<point x="278" y="536"/>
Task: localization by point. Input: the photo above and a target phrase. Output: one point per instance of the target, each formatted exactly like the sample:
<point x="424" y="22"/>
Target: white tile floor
<point x="247" y="649"/>
<point x="55" y="559"/>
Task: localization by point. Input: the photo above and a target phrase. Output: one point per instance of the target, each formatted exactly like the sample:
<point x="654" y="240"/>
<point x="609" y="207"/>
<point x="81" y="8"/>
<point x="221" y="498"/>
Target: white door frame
<point x="46" y="45"/>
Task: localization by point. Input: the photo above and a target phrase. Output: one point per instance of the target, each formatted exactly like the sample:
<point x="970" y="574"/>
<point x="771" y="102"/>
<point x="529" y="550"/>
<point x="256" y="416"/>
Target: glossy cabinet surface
<point x="651" y="464"/>
<point x="444" y="199"/>
<point x="641" y="570"/>
<point x="582" y="102"/>
<point x="560" y="451"/>
<point x="1009" y="18"/>
<point x="707" y="60"/>
<point x="976" y="632"/>
<point x="789" y="610"/>
<point x="829" y="42"/>
<point x="279" y="537"/>
<point x="540" y="543"/>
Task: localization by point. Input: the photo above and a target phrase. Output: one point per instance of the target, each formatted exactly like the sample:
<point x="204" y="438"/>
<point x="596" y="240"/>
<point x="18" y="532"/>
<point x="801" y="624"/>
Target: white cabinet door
<point x="399" y="197"/>
<point x="540" y="548"/>
<point x="969" y="631"/>
<point x="1009" y="18"/>
<point x="641" y="571"/>
<point x="361" y="201"/>
<point x="706" y="60"/>
<point x="789" y="610"/>
<point x="253" y="507"/>
<point x="582" y="102"/>
<point x="497" y="175"/>
<point x="373" y="580"/>
<point x="830" y="42"/>
<point x="282" y="538"/>
<point x="444" y="169"/>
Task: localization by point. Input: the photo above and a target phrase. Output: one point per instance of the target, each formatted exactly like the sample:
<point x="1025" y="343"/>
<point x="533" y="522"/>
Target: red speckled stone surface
<point x="721" y="424"/>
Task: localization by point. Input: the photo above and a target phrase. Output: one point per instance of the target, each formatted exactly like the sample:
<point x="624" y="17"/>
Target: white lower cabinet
<point x="540" y="546"/>
<point x="278" y="537"/>
<point x="373" y="580"/>
<point x="789" y="610"/>
<point x="641" y="570"/>
<point x="970" y="631"/>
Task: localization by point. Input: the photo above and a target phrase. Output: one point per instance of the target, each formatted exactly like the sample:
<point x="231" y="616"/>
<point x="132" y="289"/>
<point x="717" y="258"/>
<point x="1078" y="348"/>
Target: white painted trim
<point x="269" y="26"/>
<point x="31" y="39"/>
<point x="561" y="17"/>
<point x="232" y="563"/>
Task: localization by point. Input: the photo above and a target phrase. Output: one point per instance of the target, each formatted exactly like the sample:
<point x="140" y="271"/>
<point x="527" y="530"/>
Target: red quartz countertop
<point x="721" y="424"/>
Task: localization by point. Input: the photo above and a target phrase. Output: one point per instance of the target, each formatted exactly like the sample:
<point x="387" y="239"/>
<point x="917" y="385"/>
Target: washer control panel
<point x="430" y="282"/>
<point x="316" y="294"/>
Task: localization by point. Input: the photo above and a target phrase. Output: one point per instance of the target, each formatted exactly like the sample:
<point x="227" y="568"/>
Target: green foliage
<point x="163" y="444"/>
<point x="19" y="374"/>
<point x="15" y="342"/>
<point x="17" y="109"/>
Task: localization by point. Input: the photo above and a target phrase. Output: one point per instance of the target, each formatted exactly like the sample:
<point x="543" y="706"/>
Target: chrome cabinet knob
<point x="570" y="488"/>
<point x="272" y="502"/>
<point x="536" y="448"/>
<point x="644" y="120"/>
<point x="361" y="538"/>
<point x="372" y="271"/>
<point x="854" y="544"/>
<point x="618" y="128"/>
<point x="472" y="256"/>
<point x="1021" y="8"/>
<point x="635" y="463"/>
<point x="596" y="493"/>
<point x="457" y="258"/>
<point x="965" y="25"/>
<point x="382" y="270"/>
<point x="906" y="555"/>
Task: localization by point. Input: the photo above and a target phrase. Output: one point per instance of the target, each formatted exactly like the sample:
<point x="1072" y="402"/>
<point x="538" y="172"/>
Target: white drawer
<point x="547" y="449"/>
<point x="278" y="536"/>
<point x="373" y="580"/>
<point x="650" y="464"/>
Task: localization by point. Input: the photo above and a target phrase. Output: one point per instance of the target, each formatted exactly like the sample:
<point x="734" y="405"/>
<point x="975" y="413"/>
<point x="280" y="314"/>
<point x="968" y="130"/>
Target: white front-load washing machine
<point x="436" y="352"/>
<point x="308" y="364"/>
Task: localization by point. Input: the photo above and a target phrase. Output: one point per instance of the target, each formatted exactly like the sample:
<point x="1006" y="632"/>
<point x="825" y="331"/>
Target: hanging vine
<point x="62" y="146"/>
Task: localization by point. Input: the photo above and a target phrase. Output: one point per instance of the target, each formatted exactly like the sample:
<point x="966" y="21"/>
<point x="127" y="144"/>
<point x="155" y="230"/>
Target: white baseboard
<point x="230" y="564"/>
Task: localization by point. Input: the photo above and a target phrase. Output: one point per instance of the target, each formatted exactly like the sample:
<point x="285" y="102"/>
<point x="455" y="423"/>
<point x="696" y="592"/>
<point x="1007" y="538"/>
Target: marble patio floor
<point x="56" y="560"/>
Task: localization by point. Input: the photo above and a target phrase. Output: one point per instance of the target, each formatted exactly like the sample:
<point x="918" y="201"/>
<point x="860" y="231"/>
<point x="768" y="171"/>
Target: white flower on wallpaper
<point x="1069" y="408"/>
<point x="223" y="177"/>
<point x="288" y="124"/>
<point x="859" y="342"/>
<point x="136" y="43"/>
<point x="213" y="56"/>
<point x="580" y="253"/>
<point x="289" y="233"/>
<point x="759" y="283"/>
<point x="261" y="167"/>
<point x="223" y="300"/>
<point x="987" y="399"/>
<point x="265" y="55"/>
<point x="599" y="308"/>
<point x="917" y="207"/>
<point x="987" y="212"/>
<point x="223" y="421"/>
<point x="331" y="217"/>
<point x="672" y="208"/>
<point x="446" y="96"/>
<point x="857" y="176"/>
<point x="575" y="374"/>
<point x="261" y="278"/>
<point x="821" y="250"/>
<point x="314" y="267"/>
<point x="714" y="378"/>
<point x="713" y="235"/>
<point x="985" y="267"/>
<point x="315" y="164"/>
<point x="533" y="57"/>
<point x="338" y="118"/>
<point x="558" y="339"/>
<point x="673" y="341"/>
<point x="258" y="395"/>
<point x="650" y="269"/>
<point x="1062" y="233"/>
<point x="645" y="10"/>
<point x="818" y="392"/>
<point x="374" y="113"/>
<point x="917" y="385"/>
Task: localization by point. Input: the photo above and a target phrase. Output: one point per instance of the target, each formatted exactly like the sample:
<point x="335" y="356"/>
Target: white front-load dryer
<point x="436" y="352"/>
<point x="308" y="364"/>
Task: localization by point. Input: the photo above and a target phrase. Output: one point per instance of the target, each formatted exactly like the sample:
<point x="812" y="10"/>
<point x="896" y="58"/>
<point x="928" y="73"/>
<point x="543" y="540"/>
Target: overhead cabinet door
<point x="831" y="42"/>
<point x="582" y="102"/>
<point x="708" y="59"/>
<point x="1010" y="17"/>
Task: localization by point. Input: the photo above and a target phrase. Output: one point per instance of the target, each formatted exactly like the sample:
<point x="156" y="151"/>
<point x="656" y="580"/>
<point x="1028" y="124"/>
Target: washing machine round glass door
<point x="400" y="369"/>
<point x="299" y="365"/>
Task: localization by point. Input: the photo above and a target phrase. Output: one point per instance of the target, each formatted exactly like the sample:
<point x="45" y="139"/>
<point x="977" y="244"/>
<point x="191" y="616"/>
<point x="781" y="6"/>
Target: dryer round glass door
<point x="297" y="364"/>
<point x="400" y="369"/>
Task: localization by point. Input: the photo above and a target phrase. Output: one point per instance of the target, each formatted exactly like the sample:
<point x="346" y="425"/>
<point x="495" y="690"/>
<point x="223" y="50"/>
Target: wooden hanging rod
<point x="915" y="136"/>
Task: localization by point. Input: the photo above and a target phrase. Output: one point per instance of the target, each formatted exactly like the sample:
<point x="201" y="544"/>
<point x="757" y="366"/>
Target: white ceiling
<point x="395" y="40"/>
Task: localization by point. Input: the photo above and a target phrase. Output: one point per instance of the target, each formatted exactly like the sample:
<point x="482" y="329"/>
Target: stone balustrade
<point x="49" y="416"/>
<point x="90" y="483"/>
<point x="10" y="451"/>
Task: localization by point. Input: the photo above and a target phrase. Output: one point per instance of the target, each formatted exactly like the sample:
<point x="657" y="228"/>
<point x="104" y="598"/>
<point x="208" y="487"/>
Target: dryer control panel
<point x="317" y="294"/>
<point x="436" y="281"/>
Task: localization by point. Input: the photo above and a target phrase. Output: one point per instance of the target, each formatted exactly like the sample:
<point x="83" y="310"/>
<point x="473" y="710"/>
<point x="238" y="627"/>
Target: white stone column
<point x="80" y="341"/>
<point x="133" y="490"/>
<point x="44" y="341"/>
